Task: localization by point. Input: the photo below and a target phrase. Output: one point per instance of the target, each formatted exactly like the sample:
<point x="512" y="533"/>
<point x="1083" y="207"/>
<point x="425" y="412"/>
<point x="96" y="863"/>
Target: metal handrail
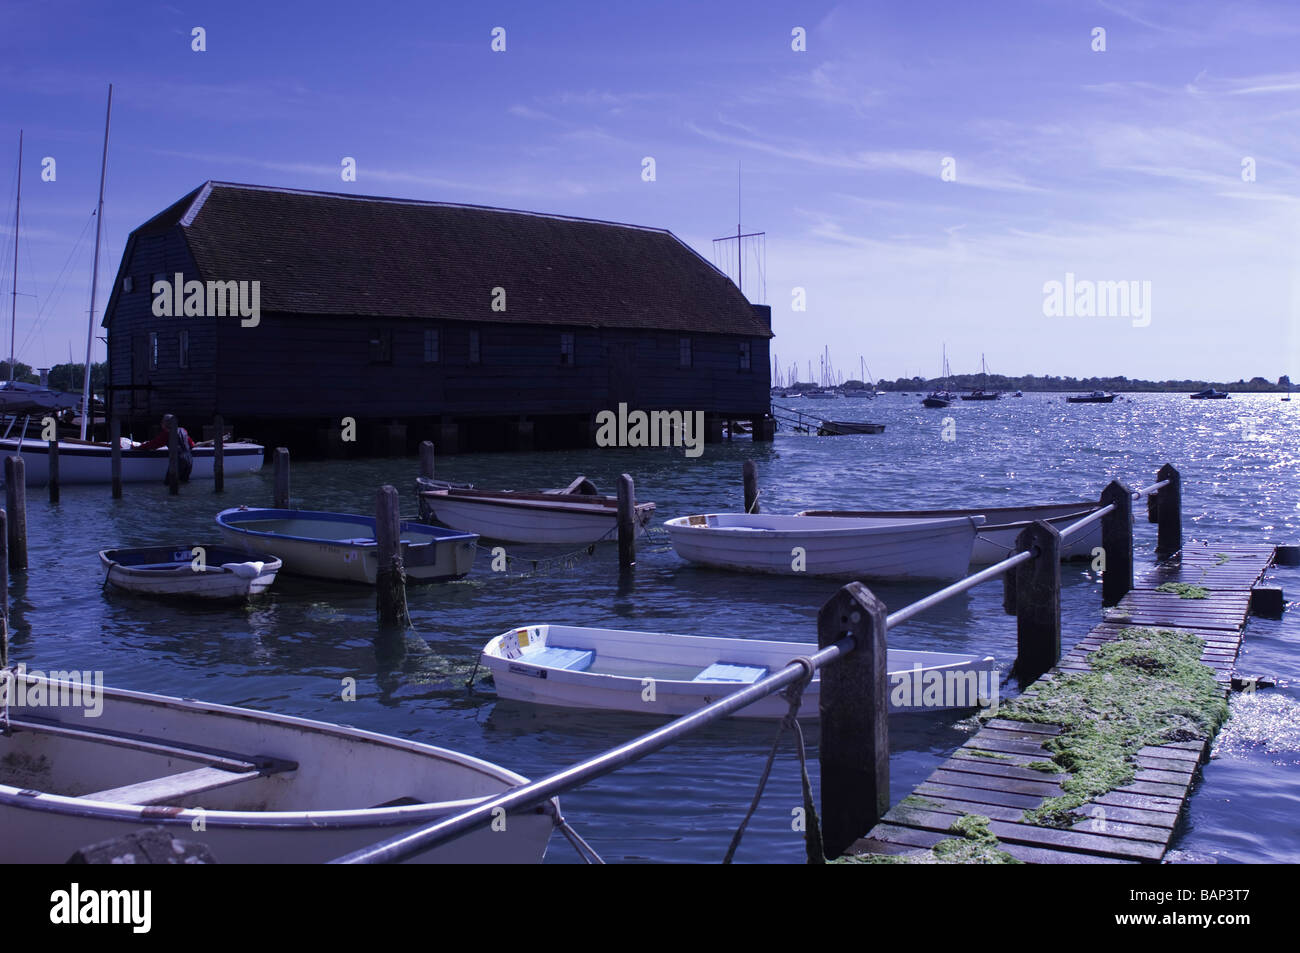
<point x="407" y="845"/>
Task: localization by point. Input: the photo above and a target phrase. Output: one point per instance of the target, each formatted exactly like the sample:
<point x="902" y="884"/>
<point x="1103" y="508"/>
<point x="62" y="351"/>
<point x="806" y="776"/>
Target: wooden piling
<point x="390" y="579"/>
<point x="626" y="522"/>
<point x="426" y="459"/>
<point x="854" y="708"/>
<point x="1169" y="533"/>
<point x="751" y="487"/>
<point x="173" y="456"/>
<point x="115" y="438"/>
<point x="53" y="454"/>
<point x="218" y="454"/>
<point x="1117" y="544"/>
<point x="1038" y="602"/>
<point x="16" y="507"/>
<point x="281" y="501"/>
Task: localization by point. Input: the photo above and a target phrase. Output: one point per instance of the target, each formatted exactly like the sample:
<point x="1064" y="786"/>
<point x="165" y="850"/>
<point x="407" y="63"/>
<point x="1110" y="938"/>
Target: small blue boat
<point x="341" y="546"/>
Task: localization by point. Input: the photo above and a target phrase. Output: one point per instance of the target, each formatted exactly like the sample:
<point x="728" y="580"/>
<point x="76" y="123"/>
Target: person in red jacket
<point x="185" y="459"/>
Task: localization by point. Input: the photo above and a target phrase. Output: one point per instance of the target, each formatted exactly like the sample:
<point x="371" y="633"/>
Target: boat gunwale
<point x="439" y="534"/>
<point x="972" y="522"/>
<point x="588" y="504"/>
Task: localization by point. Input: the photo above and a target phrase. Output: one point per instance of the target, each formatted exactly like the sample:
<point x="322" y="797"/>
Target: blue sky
<point x="1115" y="165"/>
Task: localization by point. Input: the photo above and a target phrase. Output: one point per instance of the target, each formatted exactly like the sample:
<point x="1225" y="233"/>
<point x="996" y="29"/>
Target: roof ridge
<point x="392" y="200"/>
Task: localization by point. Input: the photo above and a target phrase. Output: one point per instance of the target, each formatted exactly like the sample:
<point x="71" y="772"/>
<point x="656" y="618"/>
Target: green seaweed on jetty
<point x="1147" y="687"/>
<point x="976" y="844"/>
<point x="982" y="753"/>
<point x="1223" y="559"/>
<point x="1047" y="767"/>
<point x="1185" y="590"/>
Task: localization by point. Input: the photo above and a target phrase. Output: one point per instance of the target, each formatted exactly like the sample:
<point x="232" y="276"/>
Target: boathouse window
<point x="153" y="350"/>
<point x="566" y="350"/>
<point x="744" y="355"/>
<point x="431" y="346"/>
<point x="474" y="356"/>
<point x="184" y="358"/>
<point x="684" y="352"/>
<point x="381" y="347"/>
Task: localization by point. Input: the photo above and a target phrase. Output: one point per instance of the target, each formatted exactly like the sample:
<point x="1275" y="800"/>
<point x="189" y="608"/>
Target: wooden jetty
<point x="1134" y="823"/>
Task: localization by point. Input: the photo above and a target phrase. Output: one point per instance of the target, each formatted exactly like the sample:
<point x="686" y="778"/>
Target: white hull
<point x="626" y="665"/>
<point x="61" y="793"/>
<point x="342" y="548"/>
<point x="996" y="539"/>
<point x="530" y="518"/>
<point x="81" y="463"/>
<point x="233" y="579"/>
<point x="841" y="548"/>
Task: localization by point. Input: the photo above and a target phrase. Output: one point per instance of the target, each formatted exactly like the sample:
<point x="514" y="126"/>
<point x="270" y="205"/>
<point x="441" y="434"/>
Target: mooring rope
<point x="585" y="850"/>
<point x="812" y="827"/>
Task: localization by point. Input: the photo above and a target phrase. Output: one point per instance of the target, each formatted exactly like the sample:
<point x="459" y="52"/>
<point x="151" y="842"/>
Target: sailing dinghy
<point x="260" y="788"/>
<point x="889" y="548"/>
<point x="610" y="669"/>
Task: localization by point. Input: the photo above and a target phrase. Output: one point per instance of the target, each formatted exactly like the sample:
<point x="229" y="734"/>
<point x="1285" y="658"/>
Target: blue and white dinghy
<point x="191" y="572"/>
<point x="662" y="674"/>
<point x="342" y="547"/>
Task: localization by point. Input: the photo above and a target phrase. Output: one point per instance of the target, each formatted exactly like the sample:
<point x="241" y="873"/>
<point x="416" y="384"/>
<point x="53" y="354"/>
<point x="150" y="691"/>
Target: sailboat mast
<point x="94" y="273"/>
<point x="13" y="308"/>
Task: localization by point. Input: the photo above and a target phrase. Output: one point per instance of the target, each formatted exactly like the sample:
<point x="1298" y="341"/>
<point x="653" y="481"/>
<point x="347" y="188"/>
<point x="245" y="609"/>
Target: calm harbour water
<point x="1240" y="461"/>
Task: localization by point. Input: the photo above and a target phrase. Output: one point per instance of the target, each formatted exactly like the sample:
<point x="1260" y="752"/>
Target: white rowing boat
<point x="513" y="516"/>
<point x="662" y="674"/>
<point x="254" y="787"/>
<point x="89" y="463"/>
<point x="190" y="572"/>
<point x="342" y="546"/>
<point x="996" y="539"/>
<point x="840" y="547"/>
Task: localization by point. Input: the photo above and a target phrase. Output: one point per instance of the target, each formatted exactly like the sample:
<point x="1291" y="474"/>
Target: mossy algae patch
<point x="1185" y="590"/>
<point x="1147" y="687"/>
<point x="976" y="844"/>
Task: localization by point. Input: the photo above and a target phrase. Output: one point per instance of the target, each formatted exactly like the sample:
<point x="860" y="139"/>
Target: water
<point x="290" y="652"/>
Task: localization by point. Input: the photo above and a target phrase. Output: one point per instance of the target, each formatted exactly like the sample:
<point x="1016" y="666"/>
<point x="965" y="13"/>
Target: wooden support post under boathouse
<point x="476" y="328"/>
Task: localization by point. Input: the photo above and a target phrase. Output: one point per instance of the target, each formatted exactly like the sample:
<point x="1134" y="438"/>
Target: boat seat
<point x="174" y="786"/>
<point x="730" y="672"/>
<point x="555" y="656"/>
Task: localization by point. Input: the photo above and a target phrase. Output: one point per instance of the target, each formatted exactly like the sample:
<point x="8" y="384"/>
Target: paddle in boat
<point x="839" y="547"/>
<point x="576" y="515"/>
<point x="83" y="764"/>
<point x="342" y="547"/>
<point x="996" y="539"/>
<point x="611" y="669"/>
<point x="190" y="572"/>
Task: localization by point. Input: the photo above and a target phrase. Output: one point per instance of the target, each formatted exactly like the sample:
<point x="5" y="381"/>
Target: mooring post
<point x="1169" y="534"/>
<point x="281" y="500"/>
<point x="854" y="708"/>
<point x="426" y="459"/>
<point x="115" y="439"/>
<point x="751" y="487"/>
<point x="1116" y="544"/>
<point x="173" y="456"/>
<point x="53" y="454"/>
<point x="1038" y="602"/>
<point x="218" y="455"/>
<point x="1153" y="506"/>
<point x="16" y="507"/>
<point x="626" y="522"/>
<point x="390" y="579"/>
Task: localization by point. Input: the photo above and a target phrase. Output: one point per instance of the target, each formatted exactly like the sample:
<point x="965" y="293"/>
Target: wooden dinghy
<point x="996" y="538"/>
<point x="612" y="669"/>
<point x="836" y="428"/>
<point x="342" y="547"/>
<point x="839" y="547"/>
<point x="575" y="516"/>
<point x="82" y="462"/>
<point x="254" y="787"/>
<point x="204" y="572"/>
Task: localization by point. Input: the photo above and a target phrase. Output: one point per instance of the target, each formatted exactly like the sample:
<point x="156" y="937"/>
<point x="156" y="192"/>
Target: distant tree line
<point x="65" y="377"/>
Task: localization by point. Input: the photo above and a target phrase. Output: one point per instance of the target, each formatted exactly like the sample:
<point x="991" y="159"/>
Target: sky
<point x="922" y="172"/>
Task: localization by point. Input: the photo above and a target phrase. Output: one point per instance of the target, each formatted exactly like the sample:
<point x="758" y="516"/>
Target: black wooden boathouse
<point x="478" y="328"/>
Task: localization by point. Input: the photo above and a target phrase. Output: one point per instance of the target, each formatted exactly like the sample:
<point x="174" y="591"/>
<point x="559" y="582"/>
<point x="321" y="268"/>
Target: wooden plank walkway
<point x="1132" y="824"/>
